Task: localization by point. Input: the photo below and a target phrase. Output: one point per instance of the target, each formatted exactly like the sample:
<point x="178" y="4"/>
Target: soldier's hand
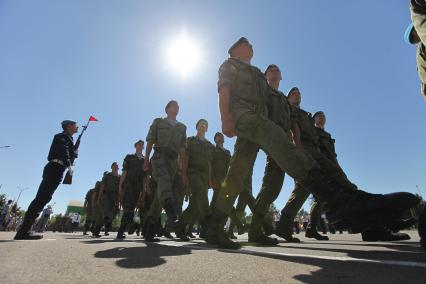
<point x="146" y="165"/>
<point x="211" y="184"/>
<point x="228" y="128"/>
<point x="70" y="170"/>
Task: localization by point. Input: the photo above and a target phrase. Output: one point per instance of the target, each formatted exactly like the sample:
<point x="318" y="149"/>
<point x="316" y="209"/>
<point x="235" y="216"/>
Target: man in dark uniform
<point x="131" y="186"/>
<point x="88" y="206"/>
<point x="61" y="156"/>
<point x="243" y="93"/>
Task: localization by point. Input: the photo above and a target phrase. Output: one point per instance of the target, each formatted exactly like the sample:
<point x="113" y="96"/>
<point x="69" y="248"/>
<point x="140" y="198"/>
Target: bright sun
<point x="184" y="55"/>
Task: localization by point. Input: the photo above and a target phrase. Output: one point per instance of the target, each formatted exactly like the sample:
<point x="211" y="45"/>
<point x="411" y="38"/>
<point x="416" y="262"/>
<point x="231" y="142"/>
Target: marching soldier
<point x="108" y="199"/>
<point x="167" y="136"/>
<point x="243" y="93"/>
<point x="199" y="155"/>
<point x="88" y="206"/>
<point x="61" y="156"/>
<point x="131" y="186"/>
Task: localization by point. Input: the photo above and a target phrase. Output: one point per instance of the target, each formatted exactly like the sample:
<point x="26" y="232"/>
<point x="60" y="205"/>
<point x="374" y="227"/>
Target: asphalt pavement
<point x="73" y="258"/>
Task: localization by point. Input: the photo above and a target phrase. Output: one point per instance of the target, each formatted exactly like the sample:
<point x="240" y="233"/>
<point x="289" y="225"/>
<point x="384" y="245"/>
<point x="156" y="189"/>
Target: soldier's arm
<point x="101" y="191"/>
<point x="228" y="127"/>
<point x="120" y="186"/>
<point x="211" y="185"/>
<point x="184" y="161"/>
<point x="227" y="75"/>
<point x="296" y="135"/>
<point x="94" y="198"/>
<point x="148" y="151"/>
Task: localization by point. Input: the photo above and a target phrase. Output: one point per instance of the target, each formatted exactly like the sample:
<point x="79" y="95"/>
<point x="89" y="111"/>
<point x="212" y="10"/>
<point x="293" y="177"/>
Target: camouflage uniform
<point x="109" y="199"/>
<point x="89" y="211"/>
<point x="167" y="138"/>
<point x="418" y="16"/>
<point x="199" y="157"/>
<point x="273" y="179"/>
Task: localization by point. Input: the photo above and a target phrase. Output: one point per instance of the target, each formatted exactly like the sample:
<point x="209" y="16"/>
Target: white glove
<point x="70" y="171"/>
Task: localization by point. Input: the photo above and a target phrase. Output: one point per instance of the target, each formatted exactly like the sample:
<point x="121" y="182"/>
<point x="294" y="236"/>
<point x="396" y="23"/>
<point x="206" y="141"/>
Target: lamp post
<point x="20" y="192"/>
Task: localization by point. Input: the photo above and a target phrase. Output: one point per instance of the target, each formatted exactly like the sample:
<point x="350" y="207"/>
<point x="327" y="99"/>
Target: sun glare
<point x="184" y="55"/>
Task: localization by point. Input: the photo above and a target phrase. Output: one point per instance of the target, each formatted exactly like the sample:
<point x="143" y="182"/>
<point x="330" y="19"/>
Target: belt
<point x="57" y="161"/>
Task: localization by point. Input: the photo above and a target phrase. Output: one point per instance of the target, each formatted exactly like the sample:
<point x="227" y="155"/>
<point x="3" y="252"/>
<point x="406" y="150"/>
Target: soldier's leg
<point x="108" y="214"/>
<point x="131" y="196"/>
<point x="192" y="212"/>
<point x="99" y="221"/>
<point x="214" y="197"/>
<point x="244" y="156"/>
<point x="311" y="230"/>
<point x="271" y="187"/>
<point x="164" y="171"/>
<point x="52" y="177"/>
<point x="346" y="208"/>
<point x="203" y="209"/>
<point x="296" y="200"/>
<point x="150" y="223"/>
<point x="354" y="208"/>
<point x="178" y="193"/>
<point x="244" y="198"/>
<point x="245" y="153"/>
<point x="88" y="223"/>
<point x="330" y="168"/>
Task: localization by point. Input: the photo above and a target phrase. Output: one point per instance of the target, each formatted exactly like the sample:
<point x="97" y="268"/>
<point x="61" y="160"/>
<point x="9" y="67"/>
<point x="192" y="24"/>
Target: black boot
<point x="400" y="224"/>
<point x="86" y="228"/>
<point x="150" y="230"/>
<point x="268" y="229"/>
<point x="216" y="235"/>
<point x="358" y="210"/>
<point x="203" y="230"/>
<point x="383" y="234"/>
<point x="24" y="231"/>
<point x="312" y="233"/>
<point x="171" y="213"/>
<point x="96" y="232"/>
<point x="255" y="234"/>
<point x="120" y="233"/>
<point x="285" y="230"/>
<point x="181" y="232"/>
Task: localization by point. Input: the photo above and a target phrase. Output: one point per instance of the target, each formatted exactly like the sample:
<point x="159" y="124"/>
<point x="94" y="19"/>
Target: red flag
<point x="92" y="118"/>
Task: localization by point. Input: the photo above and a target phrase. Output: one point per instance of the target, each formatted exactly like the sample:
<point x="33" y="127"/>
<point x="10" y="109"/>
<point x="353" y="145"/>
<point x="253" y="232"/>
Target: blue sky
<point x="72" y="59"/>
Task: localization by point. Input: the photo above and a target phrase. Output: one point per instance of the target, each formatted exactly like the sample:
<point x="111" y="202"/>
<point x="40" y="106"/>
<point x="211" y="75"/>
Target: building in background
<point x="75" y="206"/>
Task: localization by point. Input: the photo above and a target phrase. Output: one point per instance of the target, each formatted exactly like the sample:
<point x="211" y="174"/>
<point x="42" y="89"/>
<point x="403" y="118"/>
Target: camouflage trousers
<point x="198" y="207"/>
<point x="164" y="172"/>
<point x="254" y="131"/>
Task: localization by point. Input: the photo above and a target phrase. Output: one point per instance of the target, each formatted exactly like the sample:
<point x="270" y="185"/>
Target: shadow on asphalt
<point x="329" y="271"/>
<point x="147" y="256"/>
<point x="336" y="271"/>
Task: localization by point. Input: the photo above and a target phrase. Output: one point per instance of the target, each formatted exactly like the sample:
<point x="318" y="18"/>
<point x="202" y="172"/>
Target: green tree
<point x="3" y="200"/>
